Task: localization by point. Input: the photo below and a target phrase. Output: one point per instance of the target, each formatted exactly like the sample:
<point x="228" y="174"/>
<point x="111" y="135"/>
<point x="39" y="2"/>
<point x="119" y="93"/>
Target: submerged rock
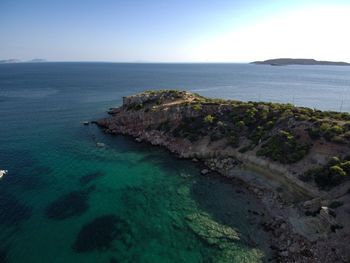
<point x="100" y="233"/>
<point x="90" y="177"/>
<point x="12" y="211"/>
<point x="240" y="254"/>
<point x="225" y="238"/>
<point x="183" y="190"/>
<point x="3" y="256"/>
<point x="210" y="231"/>
<point x="185" y="175"/>
<point x="72" y="204"/>
<point x="113" y="260"/>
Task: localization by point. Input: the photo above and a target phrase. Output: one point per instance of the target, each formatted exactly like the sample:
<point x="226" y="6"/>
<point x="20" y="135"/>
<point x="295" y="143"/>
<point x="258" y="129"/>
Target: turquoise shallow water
<point x="65" y="200"/>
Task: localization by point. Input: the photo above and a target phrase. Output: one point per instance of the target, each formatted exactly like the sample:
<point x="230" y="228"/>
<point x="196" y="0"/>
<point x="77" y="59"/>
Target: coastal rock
<point x="294" y="248"/>
<point x="204" y="171"/>
<point x="284" y="253"/>
<point x="326" y="217"/>
<point x="313" y="204"/>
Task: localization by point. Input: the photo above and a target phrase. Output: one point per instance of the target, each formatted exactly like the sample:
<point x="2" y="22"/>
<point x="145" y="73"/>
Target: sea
<point x="66" y="200"/>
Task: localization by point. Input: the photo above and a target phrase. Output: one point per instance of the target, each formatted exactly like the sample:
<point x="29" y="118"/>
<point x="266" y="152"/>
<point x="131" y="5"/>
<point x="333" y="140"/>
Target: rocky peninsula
<point x="295" y="160"/>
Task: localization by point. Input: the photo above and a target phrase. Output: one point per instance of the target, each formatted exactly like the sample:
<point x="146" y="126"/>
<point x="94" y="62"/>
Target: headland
<point x="294" y="159"/>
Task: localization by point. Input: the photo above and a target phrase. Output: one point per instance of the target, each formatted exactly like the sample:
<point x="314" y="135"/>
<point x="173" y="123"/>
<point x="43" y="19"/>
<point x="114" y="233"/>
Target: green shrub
<point x="334" y="161"/>
<point x="347" y="135"/>
<point x="197" y="107"/>
<point x="302" y="117"/>
<point x="330" y="131"/>
<point x="257" y="134"/>
<point x="221" y="124"/>
<point x="240" y="126"/>
<point x="209" y="119"/>
<point x="249" y="117"/>
<point x="216" y="135"/>
<point x="346" y="166"/>
<point x="190" y="128"/>
<point x="325" y="127"/>
<point x="233" y="140"/>
<point x="269" y="125"/>
<point x="135" y="106"/>
<point x="339" y="140"/>
<point x="336" y="170"/>
<point x="283" y="147"/>
<point x="331" y="174"/>
<point x="314" y="133"/>
<point x="336" y="129"/>
<point x="326" y="180"/>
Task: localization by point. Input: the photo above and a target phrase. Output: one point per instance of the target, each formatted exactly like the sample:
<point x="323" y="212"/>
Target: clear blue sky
<point x="161" y="30"/>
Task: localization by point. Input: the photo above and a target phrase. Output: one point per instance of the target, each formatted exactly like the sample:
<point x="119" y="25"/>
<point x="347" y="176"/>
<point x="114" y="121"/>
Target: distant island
<point x="36" y="60"/>
<point x="298" y="61"/>
<point x="10" y="61"/>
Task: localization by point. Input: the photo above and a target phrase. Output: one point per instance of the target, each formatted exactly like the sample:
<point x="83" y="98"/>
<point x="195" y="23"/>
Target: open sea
<point x="66" y="200"/>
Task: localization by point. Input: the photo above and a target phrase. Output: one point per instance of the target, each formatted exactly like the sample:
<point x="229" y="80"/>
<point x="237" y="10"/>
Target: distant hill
<point x="37" y="60"/>
<point x="6" y="61"/>
<point x="299" y="61"/>
<point x="9" y="61"/>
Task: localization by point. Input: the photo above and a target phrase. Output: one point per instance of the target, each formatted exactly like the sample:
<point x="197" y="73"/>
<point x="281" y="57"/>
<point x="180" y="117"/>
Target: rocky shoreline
<point x="288" y="202"/>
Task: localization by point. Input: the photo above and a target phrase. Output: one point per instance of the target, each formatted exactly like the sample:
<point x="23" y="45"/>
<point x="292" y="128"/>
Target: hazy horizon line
<point x="17" y="61"/>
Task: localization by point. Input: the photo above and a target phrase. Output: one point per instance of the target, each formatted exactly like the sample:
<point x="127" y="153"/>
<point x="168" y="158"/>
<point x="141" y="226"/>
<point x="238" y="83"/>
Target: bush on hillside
<point x="333" y="173"/>
<point x="283" y="147"/>
<point x="209" y="119"/>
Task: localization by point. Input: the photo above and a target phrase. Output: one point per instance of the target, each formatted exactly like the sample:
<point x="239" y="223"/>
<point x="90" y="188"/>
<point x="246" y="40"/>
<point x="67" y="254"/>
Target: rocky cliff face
<point x="270" y="146"/>
<point x="177" y="120"/>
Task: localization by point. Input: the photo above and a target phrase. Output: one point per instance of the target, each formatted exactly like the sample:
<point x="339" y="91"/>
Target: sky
<point x="174" y="30"/>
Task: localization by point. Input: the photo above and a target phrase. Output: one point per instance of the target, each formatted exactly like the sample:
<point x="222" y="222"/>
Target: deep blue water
<point x="61" y="191"/>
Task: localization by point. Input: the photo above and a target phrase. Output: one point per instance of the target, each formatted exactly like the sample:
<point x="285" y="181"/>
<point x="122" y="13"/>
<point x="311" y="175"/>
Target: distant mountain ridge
<point x="298" y="61"/>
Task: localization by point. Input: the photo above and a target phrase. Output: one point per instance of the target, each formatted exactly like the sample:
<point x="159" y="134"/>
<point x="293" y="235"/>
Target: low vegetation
<point x="331" y="131"/>
<point x="283" y="147"/>
<point x="333" y="173"/>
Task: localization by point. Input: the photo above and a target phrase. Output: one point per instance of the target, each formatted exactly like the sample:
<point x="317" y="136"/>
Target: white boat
<point x="3" y="173"/>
